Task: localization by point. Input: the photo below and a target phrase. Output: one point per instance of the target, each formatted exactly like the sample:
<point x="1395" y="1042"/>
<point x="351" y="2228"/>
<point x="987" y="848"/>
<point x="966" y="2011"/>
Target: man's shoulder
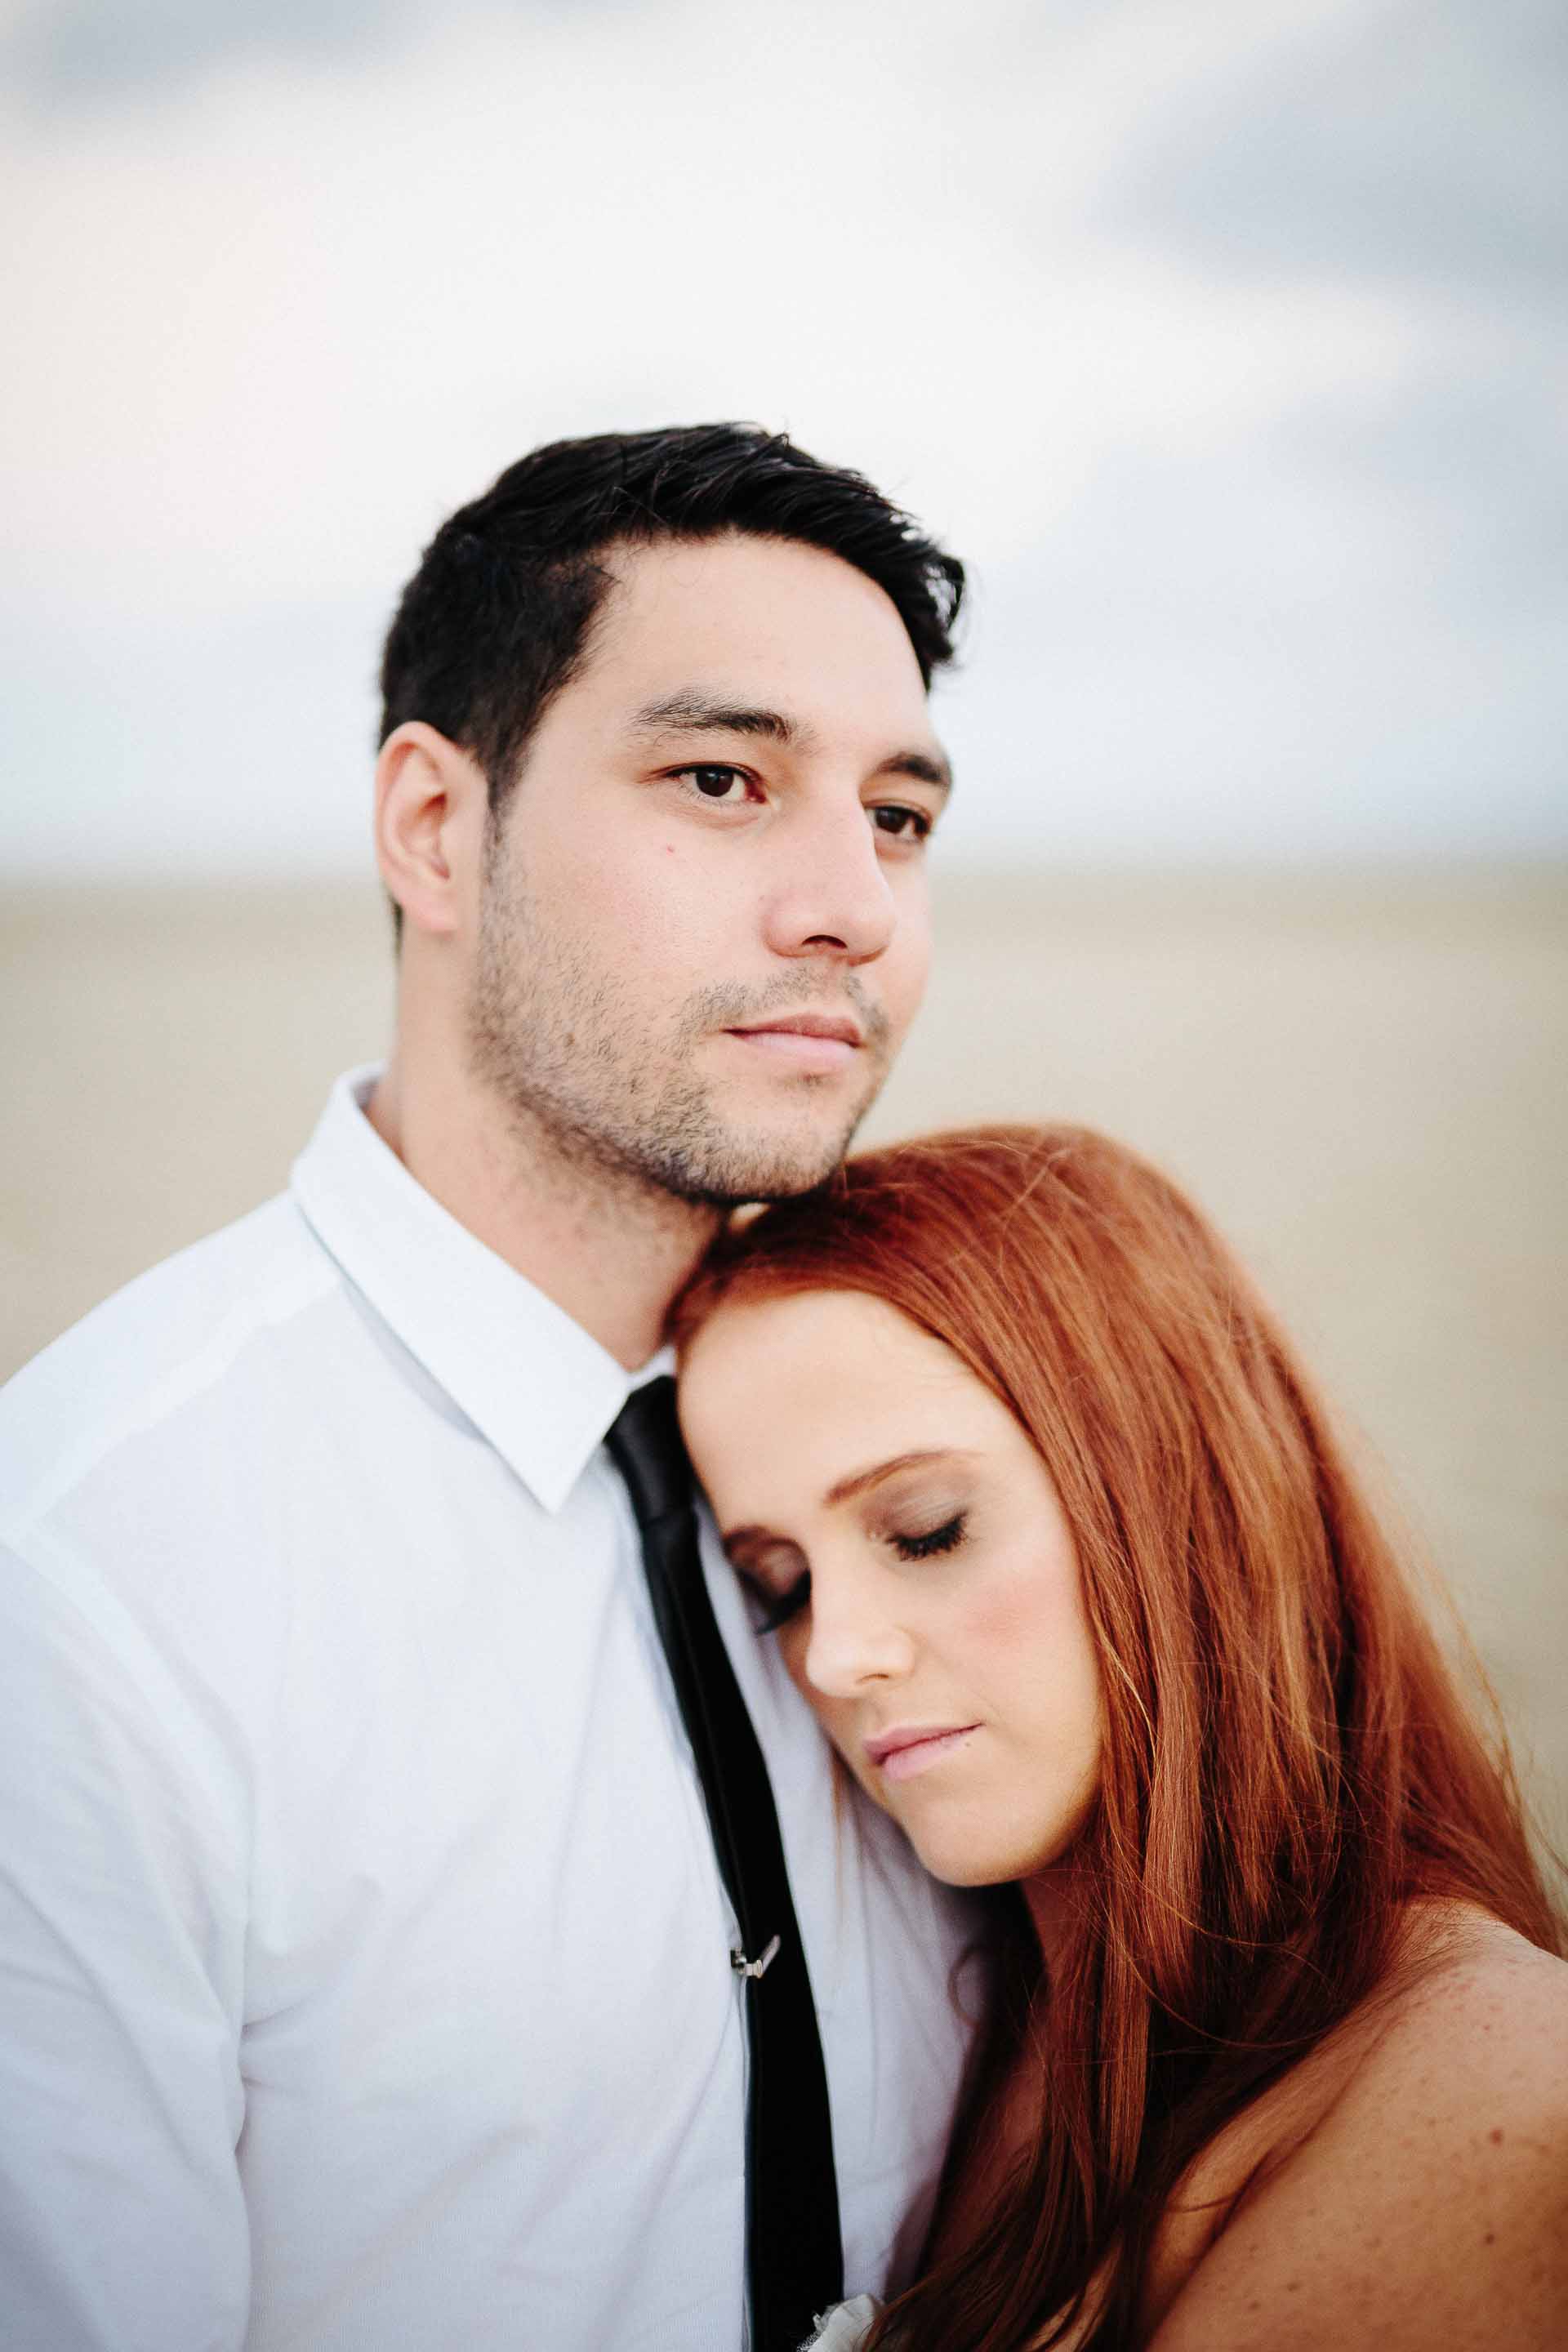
<point x="155" y="1349"/>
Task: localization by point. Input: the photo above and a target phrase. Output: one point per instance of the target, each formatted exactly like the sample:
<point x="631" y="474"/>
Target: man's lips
<point x="804" y="1025"/>
<point x="910" y="1748"/>
<point x="809" y="1043"/>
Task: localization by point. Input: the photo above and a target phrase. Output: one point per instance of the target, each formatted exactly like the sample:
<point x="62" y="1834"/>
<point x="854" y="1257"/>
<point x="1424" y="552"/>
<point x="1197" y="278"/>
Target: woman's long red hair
<point x="1288" y="1763"/>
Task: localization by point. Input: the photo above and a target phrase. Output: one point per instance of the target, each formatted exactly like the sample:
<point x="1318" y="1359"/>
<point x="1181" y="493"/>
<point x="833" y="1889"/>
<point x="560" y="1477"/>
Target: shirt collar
<point x="533" y="1381"/>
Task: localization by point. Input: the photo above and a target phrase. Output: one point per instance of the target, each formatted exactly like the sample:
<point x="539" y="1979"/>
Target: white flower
<point x="843" y="2329"/>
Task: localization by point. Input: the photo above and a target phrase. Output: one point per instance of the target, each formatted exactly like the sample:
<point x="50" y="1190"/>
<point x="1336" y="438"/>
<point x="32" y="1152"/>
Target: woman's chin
<point x="960" y="1860"/>
<point x="964" y="1862"/>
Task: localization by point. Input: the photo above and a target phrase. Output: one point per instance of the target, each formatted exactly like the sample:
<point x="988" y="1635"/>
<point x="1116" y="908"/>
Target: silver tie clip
<point x="757" y="1968"/>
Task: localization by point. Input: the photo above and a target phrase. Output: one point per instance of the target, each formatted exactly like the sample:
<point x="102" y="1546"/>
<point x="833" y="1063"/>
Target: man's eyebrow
<point x="920" y="767"/>
<point x="689" y="713"/>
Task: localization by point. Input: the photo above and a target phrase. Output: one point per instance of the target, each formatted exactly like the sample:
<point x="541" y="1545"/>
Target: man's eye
<point x="947" y="1537"/>
<point x="903" y="824"/>
<point x="717" y="784"/>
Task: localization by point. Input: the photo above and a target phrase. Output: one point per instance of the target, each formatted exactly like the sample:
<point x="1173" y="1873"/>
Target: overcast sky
<point x="1225" y="339"/>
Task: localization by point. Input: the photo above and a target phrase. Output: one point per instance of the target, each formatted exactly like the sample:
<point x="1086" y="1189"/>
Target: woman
<point x="1060" y="1549"/>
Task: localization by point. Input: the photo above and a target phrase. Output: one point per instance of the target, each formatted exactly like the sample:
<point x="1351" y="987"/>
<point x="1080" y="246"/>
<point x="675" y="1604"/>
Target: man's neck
<point x="610" y="1251"/>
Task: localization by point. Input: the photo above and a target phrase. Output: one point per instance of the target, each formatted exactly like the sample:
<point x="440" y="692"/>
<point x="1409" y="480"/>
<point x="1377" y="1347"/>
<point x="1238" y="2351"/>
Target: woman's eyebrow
<point x="741" y="1545"/>
<point x="857" y="1482"/>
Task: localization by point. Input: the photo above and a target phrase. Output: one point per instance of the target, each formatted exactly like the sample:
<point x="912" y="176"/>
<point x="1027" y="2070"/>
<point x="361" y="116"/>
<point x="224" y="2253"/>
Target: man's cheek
<point x="907" y="982"/>
<point x="662" y="911"/>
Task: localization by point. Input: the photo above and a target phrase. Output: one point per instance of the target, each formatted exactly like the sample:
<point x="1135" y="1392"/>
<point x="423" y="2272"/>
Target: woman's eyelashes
<point x="778" y="1608"/>
<point x="774" y="1574"/>
<point x="924" y="1544"/>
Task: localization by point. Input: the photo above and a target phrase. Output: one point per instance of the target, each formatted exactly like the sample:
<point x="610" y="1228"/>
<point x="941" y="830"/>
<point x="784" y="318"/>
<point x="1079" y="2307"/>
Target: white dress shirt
<point x="364" y="1975"/>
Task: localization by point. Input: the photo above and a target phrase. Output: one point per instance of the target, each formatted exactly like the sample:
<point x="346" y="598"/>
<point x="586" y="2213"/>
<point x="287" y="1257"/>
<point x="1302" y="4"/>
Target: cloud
<point x="175" y="744"/>
<point x="60" y="54"/>
<point x="300" y="313"/>
<point x="1414" y="140"/>
<point x="1297" y="671"/>
<point x="66" y="53"/>
<point x="1257" y="458"/>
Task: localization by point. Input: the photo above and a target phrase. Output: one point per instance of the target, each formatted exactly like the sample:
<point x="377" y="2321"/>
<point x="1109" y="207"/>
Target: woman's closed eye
<point x="778" y="1608"/>
<point x="924" y="1544"/>
<point x="774" y="1572"/>
<point x="781" y="1596"/>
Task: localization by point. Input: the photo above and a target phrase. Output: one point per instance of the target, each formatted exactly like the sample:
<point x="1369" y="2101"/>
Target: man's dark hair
<point x="496" y="620"/>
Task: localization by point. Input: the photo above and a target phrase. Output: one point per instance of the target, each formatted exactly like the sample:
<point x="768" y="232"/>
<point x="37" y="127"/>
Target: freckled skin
<point x="1380" y="2201"/>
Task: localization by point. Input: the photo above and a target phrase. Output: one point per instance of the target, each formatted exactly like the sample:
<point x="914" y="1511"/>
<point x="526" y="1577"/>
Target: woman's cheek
<point x="1019" y="1603"/>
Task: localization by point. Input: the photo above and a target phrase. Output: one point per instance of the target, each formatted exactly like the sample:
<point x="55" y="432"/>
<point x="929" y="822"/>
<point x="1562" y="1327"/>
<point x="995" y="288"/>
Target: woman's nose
<point x="854" y="1638"/>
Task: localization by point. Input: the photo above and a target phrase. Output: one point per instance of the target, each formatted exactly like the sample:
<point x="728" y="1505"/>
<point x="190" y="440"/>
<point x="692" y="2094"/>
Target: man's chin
<point x="740" y="1184"/>
<point x="749" y="1166"/>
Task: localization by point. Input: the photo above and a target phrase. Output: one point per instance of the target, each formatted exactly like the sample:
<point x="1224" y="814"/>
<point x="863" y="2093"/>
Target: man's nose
<point x="832" y="897"/>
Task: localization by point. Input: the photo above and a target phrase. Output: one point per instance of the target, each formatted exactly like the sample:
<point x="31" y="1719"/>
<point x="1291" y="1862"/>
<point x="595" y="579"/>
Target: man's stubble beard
<point x="560" y="1049"/>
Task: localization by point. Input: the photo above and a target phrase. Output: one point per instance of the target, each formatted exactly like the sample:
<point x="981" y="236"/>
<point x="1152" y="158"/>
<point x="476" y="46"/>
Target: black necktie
<point x="794" y="2259"/>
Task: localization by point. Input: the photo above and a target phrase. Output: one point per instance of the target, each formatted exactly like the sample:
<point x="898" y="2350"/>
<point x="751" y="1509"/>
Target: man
<point x="368" y="1977"/>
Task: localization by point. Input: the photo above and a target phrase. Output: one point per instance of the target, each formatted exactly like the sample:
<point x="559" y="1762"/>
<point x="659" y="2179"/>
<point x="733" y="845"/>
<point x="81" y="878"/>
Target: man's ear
<point x="431" y="807"/>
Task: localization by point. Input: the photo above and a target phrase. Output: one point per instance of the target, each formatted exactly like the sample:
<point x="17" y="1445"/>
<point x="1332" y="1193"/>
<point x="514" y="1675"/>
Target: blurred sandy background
<point x="1360" y="1076"/>
<point x="1226" y="342"/>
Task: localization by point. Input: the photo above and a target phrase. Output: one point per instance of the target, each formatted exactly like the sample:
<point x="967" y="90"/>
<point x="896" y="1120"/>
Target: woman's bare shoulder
<point x="1423" y="2199"/>
<point x="1474" y="2011"/>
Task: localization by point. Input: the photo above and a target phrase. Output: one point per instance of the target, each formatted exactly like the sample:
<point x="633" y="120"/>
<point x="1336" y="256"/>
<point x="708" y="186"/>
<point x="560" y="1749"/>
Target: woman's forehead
<point x="810" y="1337"/>
<point x="803" y="1392"/>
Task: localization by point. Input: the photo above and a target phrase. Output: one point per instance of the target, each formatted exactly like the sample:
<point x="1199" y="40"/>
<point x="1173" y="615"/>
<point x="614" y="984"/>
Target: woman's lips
<point x="905" y="1758"/>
